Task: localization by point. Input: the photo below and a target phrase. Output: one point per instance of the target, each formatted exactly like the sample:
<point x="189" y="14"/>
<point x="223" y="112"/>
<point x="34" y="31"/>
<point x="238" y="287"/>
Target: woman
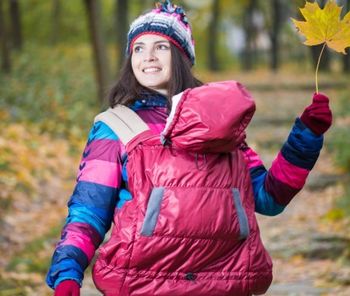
<point x="160" y="55"/>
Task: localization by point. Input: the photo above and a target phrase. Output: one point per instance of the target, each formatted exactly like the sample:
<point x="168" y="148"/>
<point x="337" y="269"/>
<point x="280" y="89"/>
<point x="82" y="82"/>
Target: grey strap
<point x="124" y="122"/>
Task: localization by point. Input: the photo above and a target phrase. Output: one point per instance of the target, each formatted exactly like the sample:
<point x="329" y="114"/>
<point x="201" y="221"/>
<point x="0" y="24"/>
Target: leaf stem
<point x="318" y="65"/>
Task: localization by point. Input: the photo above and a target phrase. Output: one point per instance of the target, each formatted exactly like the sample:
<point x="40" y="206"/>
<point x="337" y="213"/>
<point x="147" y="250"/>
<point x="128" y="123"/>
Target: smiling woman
<point x="151" y="62"/>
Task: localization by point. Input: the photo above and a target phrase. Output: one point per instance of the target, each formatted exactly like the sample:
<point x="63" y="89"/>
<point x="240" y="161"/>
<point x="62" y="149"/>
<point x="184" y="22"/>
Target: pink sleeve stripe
<point x="101" y="172"/>
<point x="252" y="158"/>
<point x="288" y="173"/>
<point x="82" y="242"/>
<point x="109" y="150"/>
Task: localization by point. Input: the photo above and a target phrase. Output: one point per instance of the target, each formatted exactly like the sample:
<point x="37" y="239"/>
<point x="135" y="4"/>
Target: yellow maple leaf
<point x="325" y="26"/>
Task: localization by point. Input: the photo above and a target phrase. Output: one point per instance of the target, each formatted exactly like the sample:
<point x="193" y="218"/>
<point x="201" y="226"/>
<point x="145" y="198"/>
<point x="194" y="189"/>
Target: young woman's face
<point x="151" y="62"/>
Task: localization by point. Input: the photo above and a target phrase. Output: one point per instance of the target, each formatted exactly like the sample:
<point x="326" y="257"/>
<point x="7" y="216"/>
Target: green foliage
<point x="340" y="140"/>
<point x="53" y="88"/>
<point x="37" y="22"/>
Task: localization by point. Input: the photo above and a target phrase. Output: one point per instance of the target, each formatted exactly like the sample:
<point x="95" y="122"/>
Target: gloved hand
<point x="318" y="116"/>
<point x="67" y="288"/>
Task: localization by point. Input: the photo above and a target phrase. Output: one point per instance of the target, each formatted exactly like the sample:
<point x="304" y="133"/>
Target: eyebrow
<point x="157" y="42"/>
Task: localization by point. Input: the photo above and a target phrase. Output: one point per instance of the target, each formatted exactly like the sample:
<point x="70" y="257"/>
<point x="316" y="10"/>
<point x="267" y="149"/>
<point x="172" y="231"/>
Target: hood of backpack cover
<point x="211" y="118"/>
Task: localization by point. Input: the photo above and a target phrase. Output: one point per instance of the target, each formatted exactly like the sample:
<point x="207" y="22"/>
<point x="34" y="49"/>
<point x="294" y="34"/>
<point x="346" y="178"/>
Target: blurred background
<point x="58" y="60"/>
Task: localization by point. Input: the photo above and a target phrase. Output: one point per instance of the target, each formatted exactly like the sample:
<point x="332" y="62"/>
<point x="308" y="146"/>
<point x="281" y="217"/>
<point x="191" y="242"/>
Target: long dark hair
<point x="127" y="89"/>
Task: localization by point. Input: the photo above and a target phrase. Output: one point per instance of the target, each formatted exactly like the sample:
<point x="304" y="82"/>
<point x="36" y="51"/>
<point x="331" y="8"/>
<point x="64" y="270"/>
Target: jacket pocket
<point x="208" y="213"/>
<point x="241" y="214"/>
<point x="152" y="212"/>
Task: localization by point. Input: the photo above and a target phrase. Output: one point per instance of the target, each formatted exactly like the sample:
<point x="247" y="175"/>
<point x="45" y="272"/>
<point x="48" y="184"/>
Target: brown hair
<point x="127" y="89"/>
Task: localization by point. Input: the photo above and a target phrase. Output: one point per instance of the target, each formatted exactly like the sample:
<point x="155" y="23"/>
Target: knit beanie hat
<point x="167" y="20"/>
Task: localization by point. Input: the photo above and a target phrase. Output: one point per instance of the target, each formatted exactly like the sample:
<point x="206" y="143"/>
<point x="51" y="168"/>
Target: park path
<point x="303" y="245"/>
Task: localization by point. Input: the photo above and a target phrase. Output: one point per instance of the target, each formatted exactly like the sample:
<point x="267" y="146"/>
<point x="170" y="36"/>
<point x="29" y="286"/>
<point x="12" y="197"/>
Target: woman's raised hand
<point x="318" y="116"/>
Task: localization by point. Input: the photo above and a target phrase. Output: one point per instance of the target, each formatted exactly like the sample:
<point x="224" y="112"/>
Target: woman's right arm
<point x="91" y="206"/>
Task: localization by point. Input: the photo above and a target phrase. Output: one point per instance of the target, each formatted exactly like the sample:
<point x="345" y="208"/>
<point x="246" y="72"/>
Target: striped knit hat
<point x="168" y="21"/>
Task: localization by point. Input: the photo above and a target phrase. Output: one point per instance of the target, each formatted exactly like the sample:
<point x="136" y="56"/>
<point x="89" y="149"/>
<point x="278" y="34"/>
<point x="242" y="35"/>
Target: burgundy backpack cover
<point x="190" y="228"/>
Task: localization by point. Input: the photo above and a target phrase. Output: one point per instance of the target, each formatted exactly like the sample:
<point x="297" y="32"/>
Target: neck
<point x="164" y="92"/>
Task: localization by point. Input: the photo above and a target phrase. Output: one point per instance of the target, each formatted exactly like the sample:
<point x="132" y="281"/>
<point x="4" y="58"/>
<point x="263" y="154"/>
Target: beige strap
<point x="124" y="122"/>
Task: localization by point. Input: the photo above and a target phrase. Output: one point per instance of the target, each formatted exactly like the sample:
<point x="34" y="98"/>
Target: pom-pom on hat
<point x="167" y="20"/>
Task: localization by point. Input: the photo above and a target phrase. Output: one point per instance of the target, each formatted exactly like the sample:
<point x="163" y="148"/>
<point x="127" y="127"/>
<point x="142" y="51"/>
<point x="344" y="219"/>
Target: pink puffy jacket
<point x="190" y="228"/>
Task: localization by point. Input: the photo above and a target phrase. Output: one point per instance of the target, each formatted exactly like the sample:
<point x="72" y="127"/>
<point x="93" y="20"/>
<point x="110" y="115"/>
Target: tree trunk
<point x="56" y="21"/>
<point x="250" y="35"/>
<point x="5" y="50"/>
<point x="16" y="24"/>
<point x="346" y="58"/>
<point x="93" y="9"/>
<point x="274" y="34"/>
<point x="122" y="9"/>
<point x="213" y="40"/>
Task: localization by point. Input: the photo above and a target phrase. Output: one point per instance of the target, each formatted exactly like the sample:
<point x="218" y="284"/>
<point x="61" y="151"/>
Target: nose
<point x="149" y="56"/>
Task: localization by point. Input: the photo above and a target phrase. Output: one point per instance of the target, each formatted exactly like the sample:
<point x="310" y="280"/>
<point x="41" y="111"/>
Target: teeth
<point x="149" y="70"/>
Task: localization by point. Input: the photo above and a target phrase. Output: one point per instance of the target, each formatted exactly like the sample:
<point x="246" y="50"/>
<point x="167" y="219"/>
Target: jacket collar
<point x="149" y="101"/>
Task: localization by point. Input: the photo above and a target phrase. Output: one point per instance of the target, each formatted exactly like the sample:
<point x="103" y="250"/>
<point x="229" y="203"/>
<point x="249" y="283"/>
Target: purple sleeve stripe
<point x="108" y="150"/>
<point x="252" y="158"/>
<point x="288" y="173"/>
<point x="86" y="229"/>
<point x="155" y="119"/>
<point x="80" y="241"/>
<point x="281" y="193"/>
<point x="101" y="172"/>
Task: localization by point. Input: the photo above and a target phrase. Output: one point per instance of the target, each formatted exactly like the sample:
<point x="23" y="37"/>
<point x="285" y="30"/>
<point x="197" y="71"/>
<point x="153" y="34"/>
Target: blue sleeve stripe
<point x="100" y="130"/>
<point x="264" y="202"/>
<point x="257" y="171"/>
<point x="62" y="270"/>
<point x="82" y="214"/>
<point x="302" y="147"/>
<point x="94" y="195"/>
<point x="266" y="205"/>
<point x="70" y="252"/>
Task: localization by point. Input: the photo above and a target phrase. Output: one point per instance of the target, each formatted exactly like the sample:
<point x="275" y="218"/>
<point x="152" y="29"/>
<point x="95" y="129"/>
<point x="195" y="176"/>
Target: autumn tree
<point x="56" y="20"/>
<point x="16" y="31"/>
<point x="122" y="11"/>
<point x="346" y="58"/>
<point x="276" y="8"/>
<point x="250" y="30"/>
<point x="93" y="9"/>
<point x="5" y="51"/>
<point x="213" y="37"/>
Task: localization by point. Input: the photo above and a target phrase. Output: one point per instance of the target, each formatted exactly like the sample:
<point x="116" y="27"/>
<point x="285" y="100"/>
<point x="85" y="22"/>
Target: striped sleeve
<point x="91" y="206"/>
<point x="275" y="188"/>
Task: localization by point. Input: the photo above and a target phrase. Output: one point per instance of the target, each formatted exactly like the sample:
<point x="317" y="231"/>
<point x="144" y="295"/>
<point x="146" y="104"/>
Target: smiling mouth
<point x="151" y="70"/>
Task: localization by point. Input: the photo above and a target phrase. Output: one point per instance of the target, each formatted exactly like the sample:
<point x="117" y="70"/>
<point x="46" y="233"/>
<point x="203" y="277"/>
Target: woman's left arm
<point x="275" y="188"/>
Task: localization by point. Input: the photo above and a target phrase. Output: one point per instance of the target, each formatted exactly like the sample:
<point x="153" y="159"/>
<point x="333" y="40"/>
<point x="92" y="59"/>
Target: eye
<point x="163" y="46"/>
<point x="137" y="48"/>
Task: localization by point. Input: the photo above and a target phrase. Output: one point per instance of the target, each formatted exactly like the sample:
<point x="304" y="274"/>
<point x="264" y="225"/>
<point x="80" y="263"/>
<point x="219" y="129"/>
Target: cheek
<point x="134" y="63"/>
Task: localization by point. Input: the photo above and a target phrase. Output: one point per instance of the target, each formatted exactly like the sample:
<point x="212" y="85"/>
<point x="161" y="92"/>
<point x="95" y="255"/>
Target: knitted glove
<point x="318" y="116"/>
<point x="67" y="288"/>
